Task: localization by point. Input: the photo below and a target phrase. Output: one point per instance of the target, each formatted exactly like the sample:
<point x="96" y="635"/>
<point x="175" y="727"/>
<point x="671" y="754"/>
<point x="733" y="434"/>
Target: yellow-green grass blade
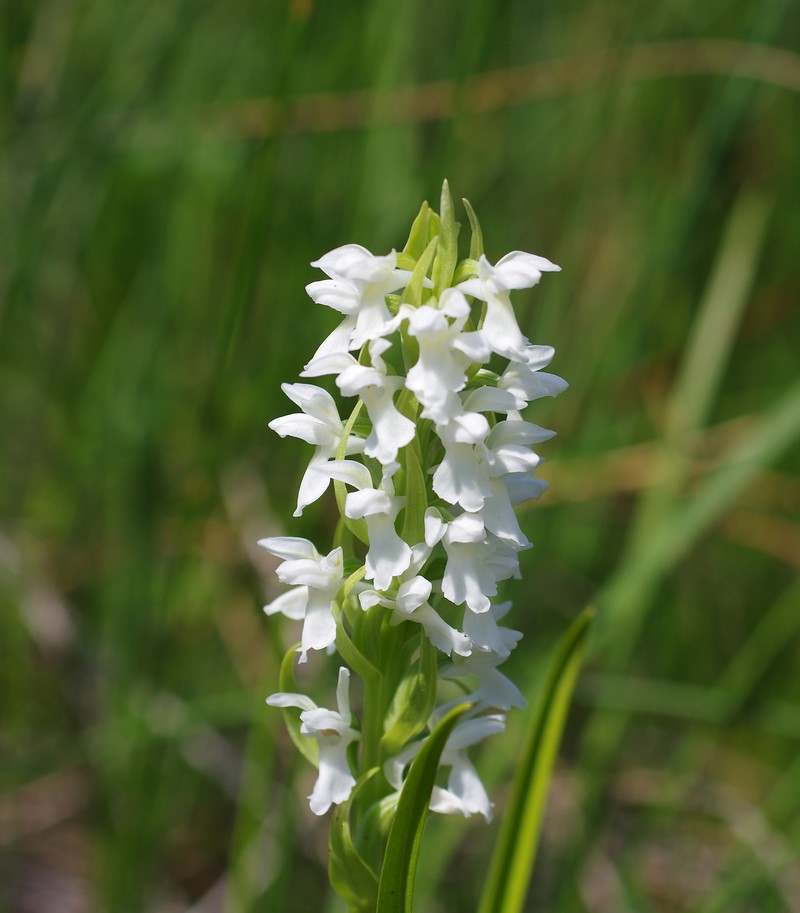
<point x="515" y="851"/>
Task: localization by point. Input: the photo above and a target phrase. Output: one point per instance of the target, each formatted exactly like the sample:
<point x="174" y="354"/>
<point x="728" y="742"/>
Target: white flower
<point x="476" y="559"/>
<point x="333" y="733"/>
<point x="388" y="555"/>
<point x="523" y="487"/>
<point x="498" y="517"/>
<point x="509" y="450"/>
<point x="359" y="286"/>
<point x="390" y="429"/>
<point x="489" y="399"/>
<point x="340" y="296"/>
<point x="316" y="580"/>
<point x="486" y="635"/>
<point x="462" y="477"/>
<point x="410" y="603"/>
<point x="444" y="354"/>
<point x="494" y="688"/>
<point x="465" y="794"/>
<point x="526" y="381"/>
<point x="317" y="424"/>
<point x="492" y="284"/>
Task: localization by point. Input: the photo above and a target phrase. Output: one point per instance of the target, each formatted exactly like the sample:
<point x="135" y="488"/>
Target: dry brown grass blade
<point x="500" y="89"/>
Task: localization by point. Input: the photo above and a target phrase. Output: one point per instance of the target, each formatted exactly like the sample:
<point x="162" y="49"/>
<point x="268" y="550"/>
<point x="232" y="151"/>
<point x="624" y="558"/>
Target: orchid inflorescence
<point x="426" y="471"/>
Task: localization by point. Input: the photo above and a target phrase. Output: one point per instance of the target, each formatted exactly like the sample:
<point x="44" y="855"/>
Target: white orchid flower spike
<point x="419" y="424"/>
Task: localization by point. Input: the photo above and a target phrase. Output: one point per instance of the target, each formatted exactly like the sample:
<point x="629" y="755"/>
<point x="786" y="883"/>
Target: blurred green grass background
<point x="169" y="169"/>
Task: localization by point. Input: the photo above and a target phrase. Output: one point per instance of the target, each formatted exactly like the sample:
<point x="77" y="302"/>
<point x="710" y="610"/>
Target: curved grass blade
<point x="396" y="886"/>
<point x="515" y="851"/>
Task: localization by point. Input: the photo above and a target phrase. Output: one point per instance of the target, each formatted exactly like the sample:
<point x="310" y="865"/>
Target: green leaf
<point x="396" y="886"/>
<point x="352" y="580"/>
<point x="447" y="253"/>
<point x="417" y="238"/>
<point x="350" y="875"/>
<point x="307" y="747"/>
<point x="416" y="497"/>
<point x="476" y="242"/>
<point x="350" y="652"/>
<point x="413" y="702"/>
<point x="515" y="851"/>
<point x="413" y="292"/>
<point x="434" y="225"/>
<point x="466" y="269"/>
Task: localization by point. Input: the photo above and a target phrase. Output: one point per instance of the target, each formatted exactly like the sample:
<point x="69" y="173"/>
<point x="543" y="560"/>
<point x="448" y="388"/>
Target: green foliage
<point x="396" y="886"/>
<point x="447" y="253"/>
<point x="415" y="495"/>
<point x="414" y="293"/>
<point x="515" y="852"/>
<point x="350" y="876"/>
<point x="476" y="239"/>
<point x="413" y="702"/>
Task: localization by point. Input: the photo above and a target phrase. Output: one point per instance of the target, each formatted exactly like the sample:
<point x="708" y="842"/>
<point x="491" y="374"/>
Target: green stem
<point x="387" y="645"/>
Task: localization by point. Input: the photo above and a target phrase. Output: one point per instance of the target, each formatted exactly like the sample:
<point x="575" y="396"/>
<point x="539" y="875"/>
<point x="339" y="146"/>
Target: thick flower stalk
<point x="428" y="454"/>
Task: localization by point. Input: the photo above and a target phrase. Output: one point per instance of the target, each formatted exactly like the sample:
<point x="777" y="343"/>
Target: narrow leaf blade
<point x="396" y="886"/>
<point x="515" y="851"/>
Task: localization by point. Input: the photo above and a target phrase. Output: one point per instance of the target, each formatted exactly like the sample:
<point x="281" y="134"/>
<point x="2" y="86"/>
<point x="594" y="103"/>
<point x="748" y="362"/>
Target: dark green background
<point x="169" y="169"/>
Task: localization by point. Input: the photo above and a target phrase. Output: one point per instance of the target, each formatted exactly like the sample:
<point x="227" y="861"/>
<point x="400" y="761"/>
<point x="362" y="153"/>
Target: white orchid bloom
<point x="444" y="354"/>
<point x="316" y="581"/>
<point x="410" y="603"/>
<point x="318" y="424"/>
<point x="496" y="475"/>
<point x="485" y="633"/>
<point x="343" y="297"/>
<point x="390" y="429"/>
<point x="498" y="517"/>
<point x="522" y="486"/>
<point x="388" y="556"/>
<point x="526" y="381"/>
<point x="492" y="284"/>
<point x="509" y="448"/>
<point x="360" y="283"/>
<point x="489" y="399"/>
<point x="462" y="477"/>
<point x="333" y="732"/>
<point x="476" y="560"/>
<point x="465" y="794"/>
<point x="494" y="688"/>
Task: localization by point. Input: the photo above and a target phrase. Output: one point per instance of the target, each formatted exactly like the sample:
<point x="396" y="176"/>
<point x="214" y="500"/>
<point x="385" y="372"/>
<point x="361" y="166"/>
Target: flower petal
<point x="289" y="547"/>
<point x="292" y="604"/>
<point x="288" y="699"/>
<point x="520" y="270"/>
<point x="335" y="782"/>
